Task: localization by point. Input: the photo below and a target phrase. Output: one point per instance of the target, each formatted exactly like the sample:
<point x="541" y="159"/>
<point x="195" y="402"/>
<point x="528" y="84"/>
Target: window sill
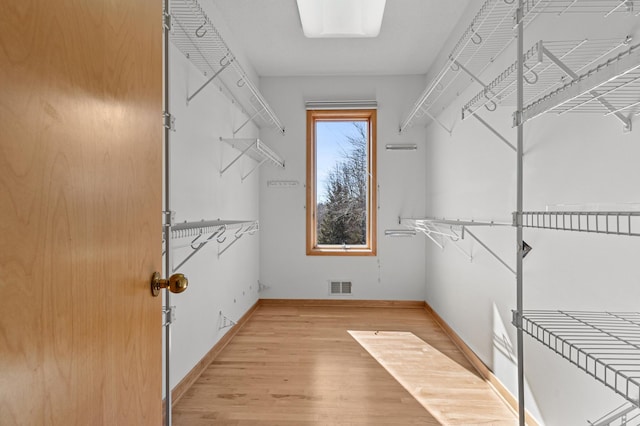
<point x="341" y="251"/>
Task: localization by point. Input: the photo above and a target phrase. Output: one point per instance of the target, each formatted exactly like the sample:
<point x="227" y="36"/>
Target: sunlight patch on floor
<point x="450" y="392"/>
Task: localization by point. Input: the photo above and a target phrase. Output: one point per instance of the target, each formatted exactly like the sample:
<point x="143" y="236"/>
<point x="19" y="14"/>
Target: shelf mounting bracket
<point x="498" y="258"/>
<point x="495" y="132"/>
<point x="246" y="122"/>
<point x="253" y="169"/>
<point x="223" y="66"/>
<point x="516" y="319"/>
<point x="431" y="116"/>
<point x="486" y="88"/>
<point x="243" y="152"/>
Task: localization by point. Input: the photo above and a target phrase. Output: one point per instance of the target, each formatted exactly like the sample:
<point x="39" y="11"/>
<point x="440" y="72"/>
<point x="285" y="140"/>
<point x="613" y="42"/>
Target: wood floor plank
<point x="300" y="366"/>
<point x="447" y="390"/>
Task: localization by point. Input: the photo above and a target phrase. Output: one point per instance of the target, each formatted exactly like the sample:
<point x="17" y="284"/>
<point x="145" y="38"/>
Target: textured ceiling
<point x="411" y="37"/>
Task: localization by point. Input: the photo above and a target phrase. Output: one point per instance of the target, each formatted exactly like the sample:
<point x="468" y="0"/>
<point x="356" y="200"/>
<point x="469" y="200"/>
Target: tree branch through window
<point x="341" y="182"/>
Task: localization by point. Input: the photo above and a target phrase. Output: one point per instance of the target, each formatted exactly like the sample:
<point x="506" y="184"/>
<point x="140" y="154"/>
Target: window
<point x="341" y="182"/>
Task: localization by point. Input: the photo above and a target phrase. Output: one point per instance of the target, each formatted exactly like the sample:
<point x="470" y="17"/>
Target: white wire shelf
<point x="605" y="345"/>
<point x="617" y="81"/>
<point x="452" y="222"/>
<point x="196" y="235"/>
<point x="489" y="33"/>
<point x="203" y="227"/>
<point x="440" y="230"/>
<point x="543" y="75"/>
<point x="627" y="414"/>
<point x="615" y="223"/>
<point x="602" y="7"/>
<point x="193" y="33"/>
<point x="254" y="149"/>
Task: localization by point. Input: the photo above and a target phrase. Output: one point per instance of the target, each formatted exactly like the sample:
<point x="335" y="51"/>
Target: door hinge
<point x="169" y="121"/>
<point x="166" y="20"/>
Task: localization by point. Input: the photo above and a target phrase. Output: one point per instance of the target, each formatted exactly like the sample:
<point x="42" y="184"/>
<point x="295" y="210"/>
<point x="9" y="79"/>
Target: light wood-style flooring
<point x="301" y="366"/>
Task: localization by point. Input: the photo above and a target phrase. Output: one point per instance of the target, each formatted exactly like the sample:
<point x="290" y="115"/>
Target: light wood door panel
<point x="80" y="200"/>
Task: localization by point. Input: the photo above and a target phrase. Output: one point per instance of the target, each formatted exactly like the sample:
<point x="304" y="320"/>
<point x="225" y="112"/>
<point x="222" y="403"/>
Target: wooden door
<point x="80" y="212"/>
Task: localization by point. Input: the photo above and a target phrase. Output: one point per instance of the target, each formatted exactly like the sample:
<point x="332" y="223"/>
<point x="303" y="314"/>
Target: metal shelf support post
<point x="519" y="206"/>
<point x="168" y="218"/>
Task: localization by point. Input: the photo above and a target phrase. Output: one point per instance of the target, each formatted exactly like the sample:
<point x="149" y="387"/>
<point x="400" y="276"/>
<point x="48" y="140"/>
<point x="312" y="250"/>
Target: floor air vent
<point x="339" y="287"/>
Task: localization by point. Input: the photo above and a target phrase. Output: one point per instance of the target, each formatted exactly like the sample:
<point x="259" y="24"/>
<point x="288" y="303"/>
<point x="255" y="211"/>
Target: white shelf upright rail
<point x="167" y="212"/>
<point x="520" y="59"/>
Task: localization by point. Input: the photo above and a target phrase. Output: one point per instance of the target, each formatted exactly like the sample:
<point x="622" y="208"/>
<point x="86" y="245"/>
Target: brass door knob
<point x="177" y="283"/>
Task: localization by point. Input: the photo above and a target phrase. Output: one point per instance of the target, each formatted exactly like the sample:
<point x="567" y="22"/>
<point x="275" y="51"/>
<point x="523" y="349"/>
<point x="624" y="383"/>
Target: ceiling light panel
<point x="341" y="18"/>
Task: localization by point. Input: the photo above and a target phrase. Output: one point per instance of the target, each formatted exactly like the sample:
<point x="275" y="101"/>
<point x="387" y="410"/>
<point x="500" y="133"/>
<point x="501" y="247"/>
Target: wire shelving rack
<point x="601" y="7"/>
<point x="614" y="223"/>
<point x="627" y="414"/>
<point x="489" y="34"/>
<point x="542" y="75"/>
<point x="254" y="149"/>
<point x="605" y="345"/>
<point x="616" y="81"/>
<point x="196" y="235"/>
<point x="197" y="38"/>
<point x="440" y="230"/>
<point x="562" y="76"/>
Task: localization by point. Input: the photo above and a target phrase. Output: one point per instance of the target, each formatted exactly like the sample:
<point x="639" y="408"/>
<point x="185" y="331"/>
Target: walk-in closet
<point x="320" y="212"/>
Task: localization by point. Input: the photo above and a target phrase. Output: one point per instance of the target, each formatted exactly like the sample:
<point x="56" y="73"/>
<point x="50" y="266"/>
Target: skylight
<point x="341" y="18"/>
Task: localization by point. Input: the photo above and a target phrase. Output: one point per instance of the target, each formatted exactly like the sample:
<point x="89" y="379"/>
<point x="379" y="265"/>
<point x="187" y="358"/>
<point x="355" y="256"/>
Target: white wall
<point x="228" y="283"/>
<point x="582" y="160"/>
<point x="397" y="272"/>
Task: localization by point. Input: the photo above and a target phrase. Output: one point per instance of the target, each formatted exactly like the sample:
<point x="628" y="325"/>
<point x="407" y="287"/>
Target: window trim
<point x="369" y="249"/>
